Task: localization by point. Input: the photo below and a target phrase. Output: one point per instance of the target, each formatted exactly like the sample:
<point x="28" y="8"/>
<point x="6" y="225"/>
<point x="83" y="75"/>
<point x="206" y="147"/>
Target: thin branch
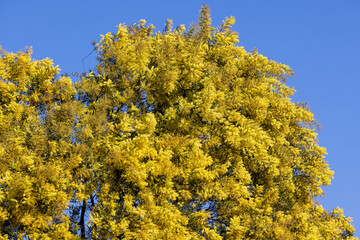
<point x="83" y="61"/>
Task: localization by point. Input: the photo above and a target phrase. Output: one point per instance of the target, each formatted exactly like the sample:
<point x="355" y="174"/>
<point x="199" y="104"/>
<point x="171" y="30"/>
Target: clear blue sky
<point x="319" y="39"/>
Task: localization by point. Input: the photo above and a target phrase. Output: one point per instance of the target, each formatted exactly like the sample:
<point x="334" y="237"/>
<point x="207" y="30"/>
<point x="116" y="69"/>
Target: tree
<point x="175" y="135"/>
<point x="36" y="117"/>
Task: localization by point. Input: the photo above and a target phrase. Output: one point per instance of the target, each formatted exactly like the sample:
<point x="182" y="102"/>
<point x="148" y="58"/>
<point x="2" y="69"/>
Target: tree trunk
<point x="82" y="220"/>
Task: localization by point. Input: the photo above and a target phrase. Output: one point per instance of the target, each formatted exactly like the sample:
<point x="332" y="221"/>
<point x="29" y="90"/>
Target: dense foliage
<point x="175" y="135"/>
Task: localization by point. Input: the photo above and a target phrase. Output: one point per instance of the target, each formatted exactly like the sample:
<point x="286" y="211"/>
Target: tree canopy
<point x="180" y="134"/>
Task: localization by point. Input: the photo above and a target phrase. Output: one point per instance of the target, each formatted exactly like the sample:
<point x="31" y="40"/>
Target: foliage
<point x="176" y="135"/>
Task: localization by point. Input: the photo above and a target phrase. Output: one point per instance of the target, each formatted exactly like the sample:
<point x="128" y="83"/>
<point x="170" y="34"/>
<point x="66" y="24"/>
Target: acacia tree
<point x="37" y="114"/>
<point x="176" y="135"/>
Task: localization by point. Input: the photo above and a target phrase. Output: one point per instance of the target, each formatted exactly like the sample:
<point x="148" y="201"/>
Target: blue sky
<point x="319" y="39"/>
